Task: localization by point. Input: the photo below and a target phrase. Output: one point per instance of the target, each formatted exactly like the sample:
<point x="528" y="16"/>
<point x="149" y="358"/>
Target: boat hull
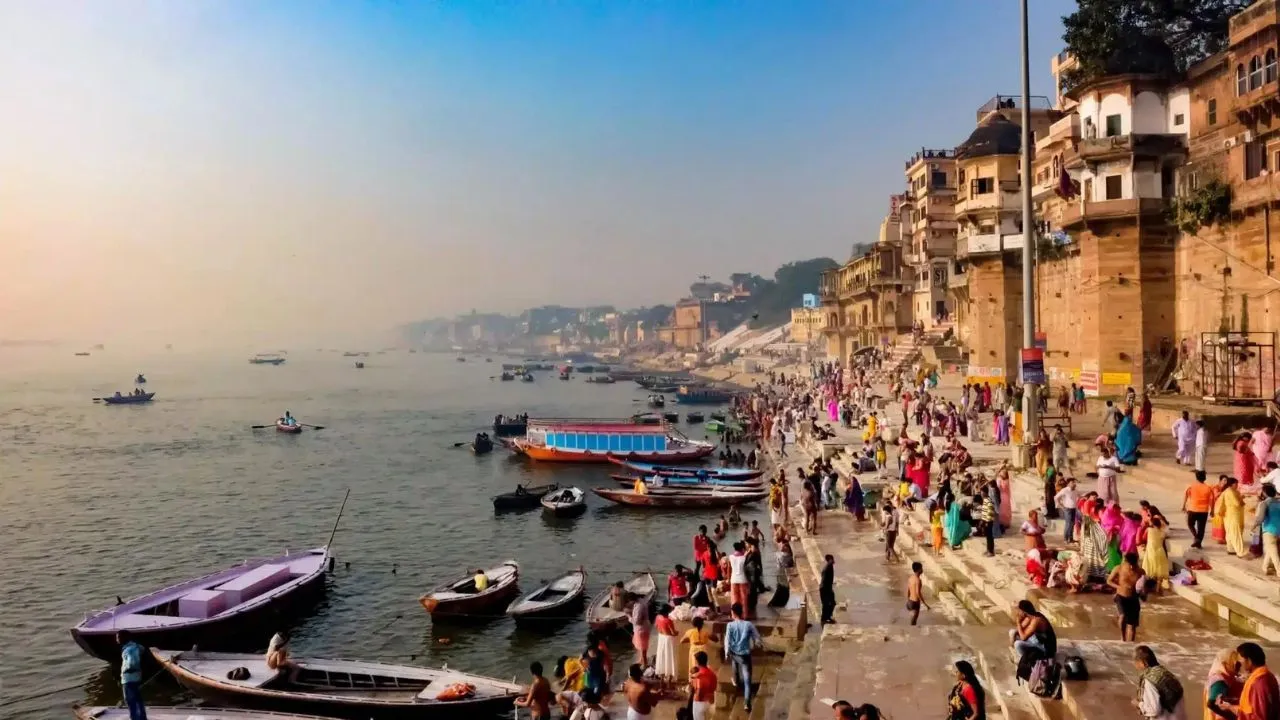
<point x="242" y="630"/>
<point x="288" y="429"/>
<point x="493" y="601"/>
<point x="129" y="399"/>
<point x="546" y="454"/>
<point x="677" y="499"/>
<point x="482" y="449"/>
<point x="528" y="500"/>
<point x="155" y="712"/>
<point x="682" y="483"/>
<point x="560" y="610"/>
<point x="722" y="473"/>
<point x="643" y="588"/>
<point x="509" y="429"/>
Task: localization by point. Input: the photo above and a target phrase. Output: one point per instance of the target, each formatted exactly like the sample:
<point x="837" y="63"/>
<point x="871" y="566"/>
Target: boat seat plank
<point x="137" y="621"/>
<point x="259" y="673"/>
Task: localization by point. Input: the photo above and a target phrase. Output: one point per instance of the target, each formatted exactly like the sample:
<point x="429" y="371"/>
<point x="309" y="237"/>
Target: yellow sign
<point x="1117" y="378"/>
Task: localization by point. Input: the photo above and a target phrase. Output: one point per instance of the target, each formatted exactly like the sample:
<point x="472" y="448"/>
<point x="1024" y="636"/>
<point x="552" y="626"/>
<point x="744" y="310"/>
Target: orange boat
<point x="601" y="441"/>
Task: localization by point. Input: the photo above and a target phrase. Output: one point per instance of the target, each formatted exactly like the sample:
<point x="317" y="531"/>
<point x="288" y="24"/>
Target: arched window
<point x="1242" y="85"/>
<point x="1269" y="66"/>
<point x="1255" y="73"/>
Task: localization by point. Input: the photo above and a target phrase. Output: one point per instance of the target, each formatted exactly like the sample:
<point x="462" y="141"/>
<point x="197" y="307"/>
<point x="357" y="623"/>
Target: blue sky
<point x="394" y="160"/>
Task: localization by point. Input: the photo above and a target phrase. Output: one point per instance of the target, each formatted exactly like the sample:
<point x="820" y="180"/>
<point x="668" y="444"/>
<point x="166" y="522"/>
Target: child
<point x="935" y="524"/>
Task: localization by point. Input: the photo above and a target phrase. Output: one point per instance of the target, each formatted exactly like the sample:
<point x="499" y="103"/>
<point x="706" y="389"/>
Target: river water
<point x="99" y="501"/>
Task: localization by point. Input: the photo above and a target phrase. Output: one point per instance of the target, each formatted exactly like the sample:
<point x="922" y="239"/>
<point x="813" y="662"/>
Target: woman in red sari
<point x="1245" y="463"/>
<point x="1144" y="414"/>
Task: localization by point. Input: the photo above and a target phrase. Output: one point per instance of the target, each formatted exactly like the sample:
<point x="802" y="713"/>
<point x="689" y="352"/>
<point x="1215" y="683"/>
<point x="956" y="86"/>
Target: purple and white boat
<point x="236" y="608"/>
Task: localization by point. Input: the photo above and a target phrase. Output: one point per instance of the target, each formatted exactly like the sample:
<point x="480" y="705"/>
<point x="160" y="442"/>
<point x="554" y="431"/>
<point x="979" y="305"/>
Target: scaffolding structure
<point x="1238" y="368"/>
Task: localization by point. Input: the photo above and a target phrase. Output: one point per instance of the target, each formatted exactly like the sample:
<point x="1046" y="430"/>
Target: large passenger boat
<point x="600" y="441"/>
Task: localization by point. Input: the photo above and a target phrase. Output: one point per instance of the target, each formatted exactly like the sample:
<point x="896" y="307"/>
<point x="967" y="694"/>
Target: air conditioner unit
<point x="1246" y="136"/>
<point x="1229" y="143"/>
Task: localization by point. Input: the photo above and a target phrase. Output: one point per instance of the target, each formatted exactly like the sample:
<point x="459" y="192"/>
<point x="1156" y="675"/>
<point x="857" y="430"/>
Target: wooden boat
<point x="509" y="429"/>
<point x="600" y="380"/>
<point x="459" y="597"/>
<point x="717" y="416"/>
<point x="671" y="417"/>
<point x="659" y="498"/>
<point x="683" y="483"/>
<point x="507" y="377"/>
<point x="693" y="417"/>
<point x="482" y="447"/>
<point x="716" y="473"/>
<point x="596" y="441"/>
<point x="526" y="378"/>
<point x="266" y="360"/>
<point x="523" y="498"/>
<point x="82" y="354"/>
<point x="231" y="609"/>
<point x="601" y="617"/>
<point x="656" y="401"/>
<point x="284" y="427"/>
<point x="336" y="688"/>
<point x="552" y="600"/>
<point x="130" y="399"/>
<point x="690" y="395"/>
<point x="569" y="502"/>
<point x="647" y="419"/>
<point x="155" y="712"/>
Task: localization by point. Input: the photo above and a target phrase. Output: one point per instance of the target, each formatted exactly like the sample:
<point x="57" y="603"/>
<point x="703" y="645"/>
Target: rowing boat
<point x="231" y="609"/>
<point x="154" y="712"/>
<point x="552" y="600"/>
<point x="640" y="588"/>
<point x="685" y="483"/>
<point x="679" y="498"/>
<point x="338" y="688"/>
<point x="130" y="399"/>
<point x="717" y="473"/>
<point x="291" y="429"/>
<point x="569" y="502"/>
<point x="523" y="497"/>
<point x="459" y="597"/>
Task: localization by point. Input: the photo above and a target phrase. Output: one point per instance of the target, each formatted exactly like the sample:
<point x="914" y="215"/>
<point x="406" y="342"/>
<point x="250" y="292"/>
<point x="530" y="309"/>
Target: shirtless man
<point x="640" y="699"/>
<point x="538" y="700"/>
<point x="1124" y="579"/>
<point x="915" y="592"/>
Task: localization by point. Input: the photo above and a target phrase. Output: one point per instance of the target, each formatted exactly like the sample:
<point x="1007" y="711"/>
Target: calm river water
<point x="100" y="501"/>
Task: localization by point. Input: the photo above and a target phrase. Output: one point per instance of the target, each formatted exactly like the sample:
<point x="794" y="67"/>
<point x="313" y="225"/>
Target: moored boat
<point x="658" y="498"/>
<point x="602" y="617"/>
<point x="569" y="502"/>
<point x="482" y="445"/>
<point x="129" y="399"/>
<point x="337" y="688"/>
<point x="647" y="419"/>
<point x="507" y="376"/>
<point x="690" y="483"/>
<point x="460" y="597"/>
<point x="288" y="428"/>
<point x="522" y="498"/>
<point x="359" y="365"/>
<point x="506" y="426"/>
<point x="527" y="377"/>
<point x="690" y="395"/>
<point x="718" y="473"/>
<point x="229" y="609"/>
<point x="552" y="600"/>
<point x="720" y="416"/>
<point x="600" y="380"/>
<point x="656" y="401"/>
<point x="715" y="426"/>
<point x="266" y="360"/>
<point x="693" y="417"/>
<point x="596" y="441"/>
<point x="671" y="417"/>
<point x="160" y="712"/>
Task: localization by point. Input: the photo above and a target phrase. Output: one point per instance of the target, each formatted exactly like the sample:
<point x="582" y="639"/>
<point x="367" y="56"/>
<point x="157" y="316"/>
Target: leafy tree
<point x="1162" y="37"/>
<point x="772" y="304"/>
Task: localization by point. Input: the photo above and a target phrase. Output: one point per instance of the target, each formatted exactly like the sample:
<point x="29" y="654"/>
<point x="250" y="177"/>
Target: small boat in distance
<point x="569" y="502"/>
<point x="140" y="380"/>
<point x="656" y="401"/>
<point x="693" y="417"/>
<point x="482" y="445"/>
<point x="507" y="376"/>
<point x="526" y="377"/>
<point x="82" y="354"/>
<point x="552" y="600"/>
<point x="266" y="359"/>
<point x="508" y="426"/>
<point x="338" y="688"/>
<point x="359" y="365"/>
<point x="231" y="609"/>
<point x="461" y="359"/>
<point x="134" y="398"/>
<point x="597" y="441"/>
<point x="160" y="712"/>
<point x="690" y="395"/>
<point x="602" y="617"/>
<point x="460" y="597"/>
<point x="523" y="498"/>
<point x="671" y="417"/>
<point x="283" y="426"/>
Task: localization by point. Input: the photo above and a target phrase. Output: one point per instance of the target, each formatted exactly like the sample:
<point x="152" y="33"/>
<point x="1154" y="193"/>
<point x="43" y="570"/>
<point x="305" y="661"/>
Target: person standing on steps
<point x="889" y="524"/>
<point x="1197" y="503"/>
<point x="915" y="592"/>
<point x="1124" y="579"/>
<point x="827" y="590"/>
<point x="1202" y="445"/>
<point x="131" y="674"/>
<point x="1068" y="501"/>
<point x="740" y="638"/>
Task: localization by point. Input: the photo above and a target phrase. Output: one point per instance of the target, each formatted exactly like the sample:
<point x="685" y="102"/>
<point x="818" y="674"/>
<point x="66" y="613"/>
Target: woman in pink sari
<point x="1112" y="520"/>
<point x="1129" y="529"/>
<point x="1245" y="461"/>
<point x="1261" y="445"/>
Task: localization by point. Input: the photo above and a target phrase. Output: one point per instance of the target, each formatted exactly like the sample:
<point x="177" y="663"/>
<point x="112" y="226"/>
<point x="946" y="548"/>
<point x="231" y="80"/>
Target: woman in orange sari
<point x="1218" y="528"/>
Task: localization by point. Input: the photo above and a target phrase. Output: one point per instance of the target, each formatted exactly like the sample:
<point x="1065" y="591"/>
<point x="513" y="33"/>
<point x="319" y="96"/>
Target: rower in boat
<point x="289" y="419"/>
<point x="481" y="580"/>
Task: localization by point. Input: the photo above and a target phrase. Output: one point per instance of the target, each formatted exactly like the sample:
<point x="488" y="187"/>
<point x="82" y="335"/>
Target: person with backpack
<point x="1160" y="695"/>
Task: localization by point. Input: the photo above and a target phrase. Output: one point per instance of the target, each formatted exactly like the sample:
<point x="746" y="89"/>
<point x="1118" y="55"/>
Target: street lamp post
<point x="1030" y="390"/>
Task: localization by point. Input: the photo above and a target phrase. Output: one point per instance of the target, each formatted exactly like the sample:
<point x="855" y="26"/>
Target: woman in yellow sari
<point x="1155" y="558"/>
<point x="1230" y="507"/>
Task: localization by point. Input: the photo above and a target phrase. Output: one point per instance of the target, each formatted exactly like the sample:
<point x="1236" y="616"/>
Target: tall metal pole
<point x="1030" y="391"/>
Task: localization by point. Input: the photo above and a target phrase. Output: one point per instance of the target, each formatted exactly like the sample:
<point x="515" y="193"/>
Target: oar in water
<point x="313" y="427"/>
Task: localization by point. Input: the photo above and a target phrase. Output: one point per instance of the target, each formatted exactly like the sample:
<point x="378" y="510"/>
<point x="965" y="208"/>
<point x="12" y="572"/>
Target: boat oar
<point x="259" y="427"/>
<point x="464" y="442"/>
<point x="313" y="427"/>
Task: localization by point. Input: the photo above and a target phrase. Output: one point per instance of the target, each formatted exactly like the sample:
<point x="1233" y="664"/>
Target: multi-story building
<point x="988" y="209"/>
<point x="930" y="233"/>
<point x="806" y="324"/>
<point x="867" y="301"/>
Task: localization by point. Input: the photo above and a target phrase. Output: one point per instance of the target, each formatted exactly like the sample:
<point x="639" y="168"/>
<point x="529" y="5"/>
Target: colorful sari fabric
<point x="1128" y="438"/>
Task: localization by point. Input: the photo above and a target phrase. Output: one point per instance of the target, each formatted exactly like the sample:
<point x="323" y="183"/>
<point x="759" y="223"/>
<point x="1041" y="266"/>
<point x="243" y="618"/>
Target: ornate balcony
<point x="1082" y="212"/>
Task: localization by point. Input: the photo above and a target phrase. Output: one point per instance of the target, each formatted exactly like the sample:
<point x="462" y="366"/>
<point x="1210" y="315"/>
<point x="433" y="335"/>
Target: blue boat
<point x="687" y="395"/>
<point x="712" y="473"/>
<point x="131" y="399"/>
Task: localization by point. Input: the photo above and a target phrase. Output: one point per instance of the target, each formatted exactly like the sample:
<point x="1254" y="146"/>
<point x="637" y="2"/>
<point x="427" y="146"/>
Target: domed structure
<point x="997" y="135"/>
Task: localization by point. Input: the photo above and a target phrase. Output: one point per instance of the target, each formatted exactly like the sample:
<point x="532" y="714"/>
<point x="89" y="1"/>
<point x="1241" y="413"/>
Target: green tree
<point x="1163" y="37"/>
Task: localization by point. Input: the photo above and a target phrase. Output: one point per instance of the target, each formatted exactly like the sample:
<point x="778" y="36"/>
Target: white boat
<point x="184" y="713"/>
<point x="552" y="599"/>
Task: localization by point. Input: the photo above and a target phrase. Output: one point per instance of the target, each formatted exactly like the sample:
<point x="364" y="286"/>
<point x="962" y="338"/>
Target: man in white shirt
<point x="1108" y="468"/>
<point x="1202" y="445"/>
<point x="738" y="583"/>
<point x="1068" y="500"/>
<point x="1160" y="693"/>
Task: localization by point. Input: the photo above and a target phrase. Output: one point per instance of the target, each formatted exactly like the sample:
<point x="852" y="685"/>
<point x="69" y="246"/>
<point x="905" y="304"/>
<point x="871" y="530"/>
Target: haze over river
<point x="99" y="501"/>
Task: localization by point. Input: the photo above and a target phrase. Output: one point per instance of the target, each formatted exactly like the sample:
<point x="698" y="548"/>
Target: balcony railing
<point x="1001" y="200"/>
<point x="1085" y="211"/>
<point x="990" y="243"/>
<point x="1089" y="150"/>
<point x="1014" y="102"/>
<point x="928" y="154"/>
<point x="957" y="280"/>
<point x="1256" y="191"/>
<point x="1068" y="128"/>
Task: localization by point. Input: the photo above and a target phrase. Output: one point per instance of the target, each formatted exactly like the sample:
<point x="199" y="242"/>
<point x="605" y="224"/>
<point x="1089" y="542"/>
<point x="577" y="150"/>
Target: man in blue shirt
<point x="131" y="675"/>
<point x="740" y="637"/>
<point x="1267" y="516"/>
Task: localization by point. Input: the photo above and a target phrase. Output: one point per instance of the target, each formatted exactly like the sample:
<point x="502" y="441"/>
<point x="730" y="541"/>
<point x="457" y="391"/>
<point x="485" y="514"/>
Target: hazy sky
<point x="222" y="171"/>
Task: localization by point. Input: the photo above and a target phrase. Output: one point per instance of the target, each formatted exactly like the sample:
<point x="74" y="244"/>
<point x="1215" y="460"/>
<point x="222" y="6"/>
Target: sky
<point x="232" y="172"/>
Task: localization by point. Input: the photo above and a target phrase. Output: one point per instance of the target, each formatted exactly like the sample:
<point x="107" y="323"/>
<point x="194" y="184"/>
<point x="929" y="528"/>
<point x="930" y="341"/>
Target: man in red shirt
<point x="677" y="587"/>
<point x="701" y="544"/>
<point x="702" y="684"/>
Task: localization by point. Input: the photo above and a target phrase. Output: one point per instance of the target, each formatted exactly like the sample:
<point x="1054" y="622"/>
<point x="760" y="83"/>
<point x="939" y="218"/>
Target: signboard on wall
<point x="809" y="300"/>
<point x="1090" y="377"/>
<point x="1033" y="366"/>
<point x="1042" y="341"/>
